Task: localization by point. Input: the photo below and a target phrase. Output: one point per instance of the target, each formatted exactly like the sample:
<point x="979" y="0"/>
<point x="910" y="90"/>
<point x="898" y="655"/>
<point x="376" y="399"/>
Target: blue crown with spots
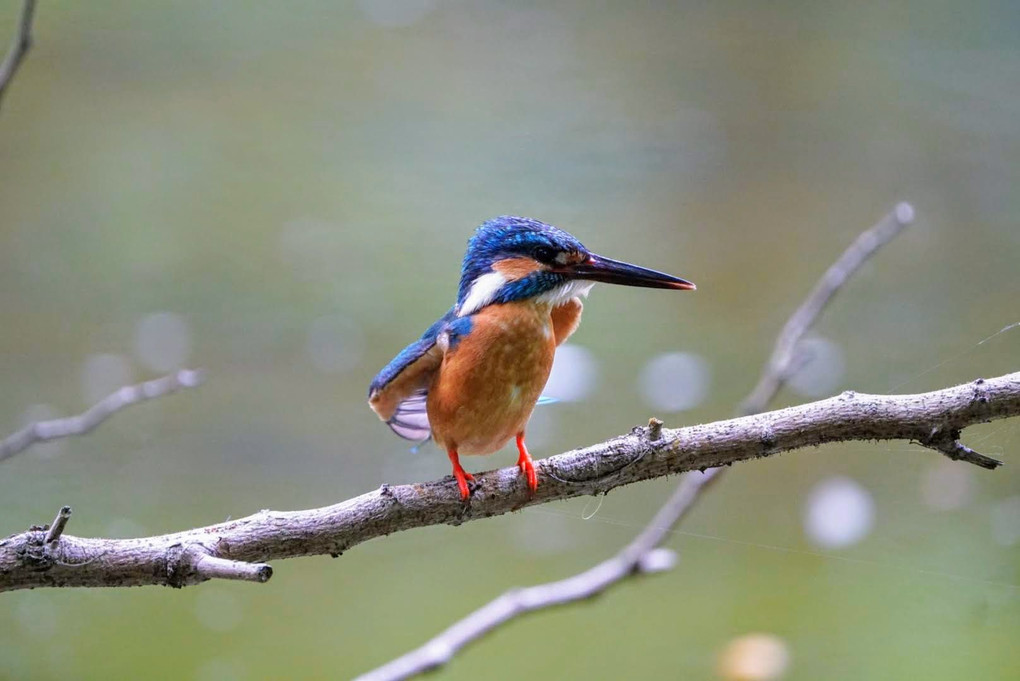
<point x="509" y="236"/>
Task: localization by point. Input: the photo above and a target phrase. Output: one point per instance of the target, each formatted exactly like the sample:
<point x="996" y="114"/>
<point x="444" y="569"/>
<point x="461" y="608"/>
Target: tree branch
<point x="441" y="648"/>
<point x="20" y="46"/>
<point x="42" y="431"/>
<point x="173" y="559"/>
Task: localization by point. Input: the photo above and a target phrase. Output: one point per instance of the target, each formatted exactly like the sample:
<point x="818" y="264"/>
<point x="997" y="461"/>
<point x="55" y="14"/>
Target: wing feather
<point x="399" y="392"/>
<point x="410" y="420"/>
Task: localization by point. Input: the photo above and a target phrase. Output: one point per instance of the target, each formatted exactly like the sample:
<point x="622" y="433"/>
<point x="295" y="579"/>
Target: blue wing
<point x="398" y="392"/>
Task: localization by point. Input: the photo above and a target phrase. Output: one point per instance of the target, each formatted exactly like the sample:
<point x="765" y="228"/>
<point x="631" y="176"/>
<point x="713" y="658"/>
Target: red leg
<point x="525" y="464"/>
<point x="462" y="475"/>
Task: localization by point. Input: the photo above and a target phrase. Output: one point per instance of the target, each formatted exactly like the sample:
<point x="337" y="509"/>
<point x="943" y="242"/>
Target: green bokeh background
<point x="254" y="167"/>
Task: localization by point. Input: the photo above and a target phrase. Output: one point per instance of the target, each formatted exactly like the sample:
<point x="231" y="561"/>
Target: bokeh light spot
<point x="839" y="513"/>
<point x="821" y="370"/>
<point x="675" y="381"/>
<point x="574" y="374"/>
<point x="754" y="657"/>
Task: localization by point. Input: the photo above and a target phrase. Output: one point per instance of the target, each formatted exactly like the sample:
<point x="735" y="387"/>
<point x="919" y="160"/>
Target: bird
<point x="472" y="380"/>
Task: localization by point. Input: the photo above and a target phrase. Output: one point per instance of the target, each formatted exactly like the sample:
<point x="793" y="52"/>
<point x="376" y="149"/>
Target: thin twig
<point x="783" y="359"/>
<point x="58" y="525"/>
<point x="20" y="46"/>
<point x="83" y="423"/>
<point x="511" y="604"/>
<point x="170" y="559"/>
<point x="211" y="567"/>
<point x="948" y="442"/>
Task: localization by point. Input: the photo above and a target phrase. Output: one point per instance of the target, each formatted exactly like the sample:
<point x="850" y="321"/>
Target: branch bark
<point x="20" y="46"/>
<point x="176" y="559"/>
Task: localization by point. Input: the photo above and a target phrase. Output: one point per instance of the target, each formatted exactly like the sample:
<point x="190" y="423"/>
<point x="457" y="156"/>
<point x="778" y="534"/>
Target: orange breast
<point x="484" y="391"/>
<point x="565" y="319"/>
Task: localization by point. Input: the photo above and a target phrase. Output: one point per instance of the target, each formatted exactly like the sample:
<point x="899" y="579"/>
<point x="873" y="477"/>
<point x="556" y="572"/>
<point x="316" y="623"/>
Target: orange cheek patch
<point x="517" y="268"/>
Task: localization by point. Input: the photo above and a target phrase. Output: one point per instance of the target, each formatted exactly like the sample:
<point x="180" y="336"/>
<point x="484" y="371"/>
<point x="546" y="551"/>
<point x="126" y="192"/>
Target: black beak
<point x="609" y="271"/>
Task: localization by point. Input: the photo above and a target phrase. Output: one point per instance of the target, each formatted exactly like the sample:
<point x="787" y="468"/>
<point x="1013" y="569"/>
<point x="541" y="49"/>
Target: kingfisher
<point x="473" y="378"/>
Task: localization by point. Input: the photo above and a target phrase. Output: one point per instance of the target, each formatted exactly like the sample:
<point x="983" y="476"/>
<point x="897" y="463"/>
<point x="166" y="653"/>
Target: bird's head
<point x="513" y="258"/>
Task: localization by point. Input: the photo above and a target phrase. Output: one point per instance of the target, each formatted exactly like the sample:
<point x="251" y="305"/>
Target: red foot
<point x="461" y="475"/>
<point x="525" y="464"/>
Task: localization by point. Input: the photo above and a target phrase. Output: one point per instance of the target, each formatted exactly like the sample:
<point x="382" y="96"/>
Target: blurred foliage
<point x="254" y="169"/>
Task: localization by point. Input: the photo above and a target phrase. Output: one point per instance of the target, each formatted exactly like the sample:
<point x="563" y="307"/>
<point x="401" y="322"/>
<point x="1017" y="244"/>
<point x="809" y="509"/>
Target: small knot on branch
<point x="659" y="559"/>
<point x="57" y="526"/>
<point x="654" y="431"/>
<point x="437" y="653"/>
<point x="980" y="391"/>
<point x="904" y="213"/>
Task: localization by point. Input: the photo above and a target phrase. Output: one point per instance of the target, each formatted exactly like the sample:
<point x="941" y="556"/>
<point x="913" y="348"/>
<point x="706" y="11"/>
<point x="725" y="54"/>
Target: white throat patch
<point x="482" y="291"/>
<point x="564" y="292"/>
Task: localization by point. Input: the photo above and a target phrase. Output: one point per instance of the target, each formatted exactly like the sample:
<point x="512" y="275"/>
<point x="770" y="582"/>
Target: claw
<point x="462" y="482"/>
<point x="526" y="465"/>
<point x="461" y="475"/>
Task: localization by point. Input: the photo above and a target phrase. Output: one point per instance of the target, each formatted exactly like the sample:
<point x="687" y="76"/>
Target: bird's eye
<point x="544" y="254"/>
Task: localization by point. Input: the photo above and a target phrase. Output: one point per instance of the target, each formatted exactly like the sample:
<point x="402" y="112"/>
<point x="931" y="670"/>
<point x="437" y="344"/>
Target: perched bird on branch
<point x="473" y="378"/>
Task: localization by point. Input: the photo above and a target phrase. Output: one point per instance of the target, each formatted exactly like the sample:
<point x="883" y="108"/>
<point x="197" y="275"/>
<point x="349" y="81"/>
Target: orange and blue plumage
<point x="473" y="378"/>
